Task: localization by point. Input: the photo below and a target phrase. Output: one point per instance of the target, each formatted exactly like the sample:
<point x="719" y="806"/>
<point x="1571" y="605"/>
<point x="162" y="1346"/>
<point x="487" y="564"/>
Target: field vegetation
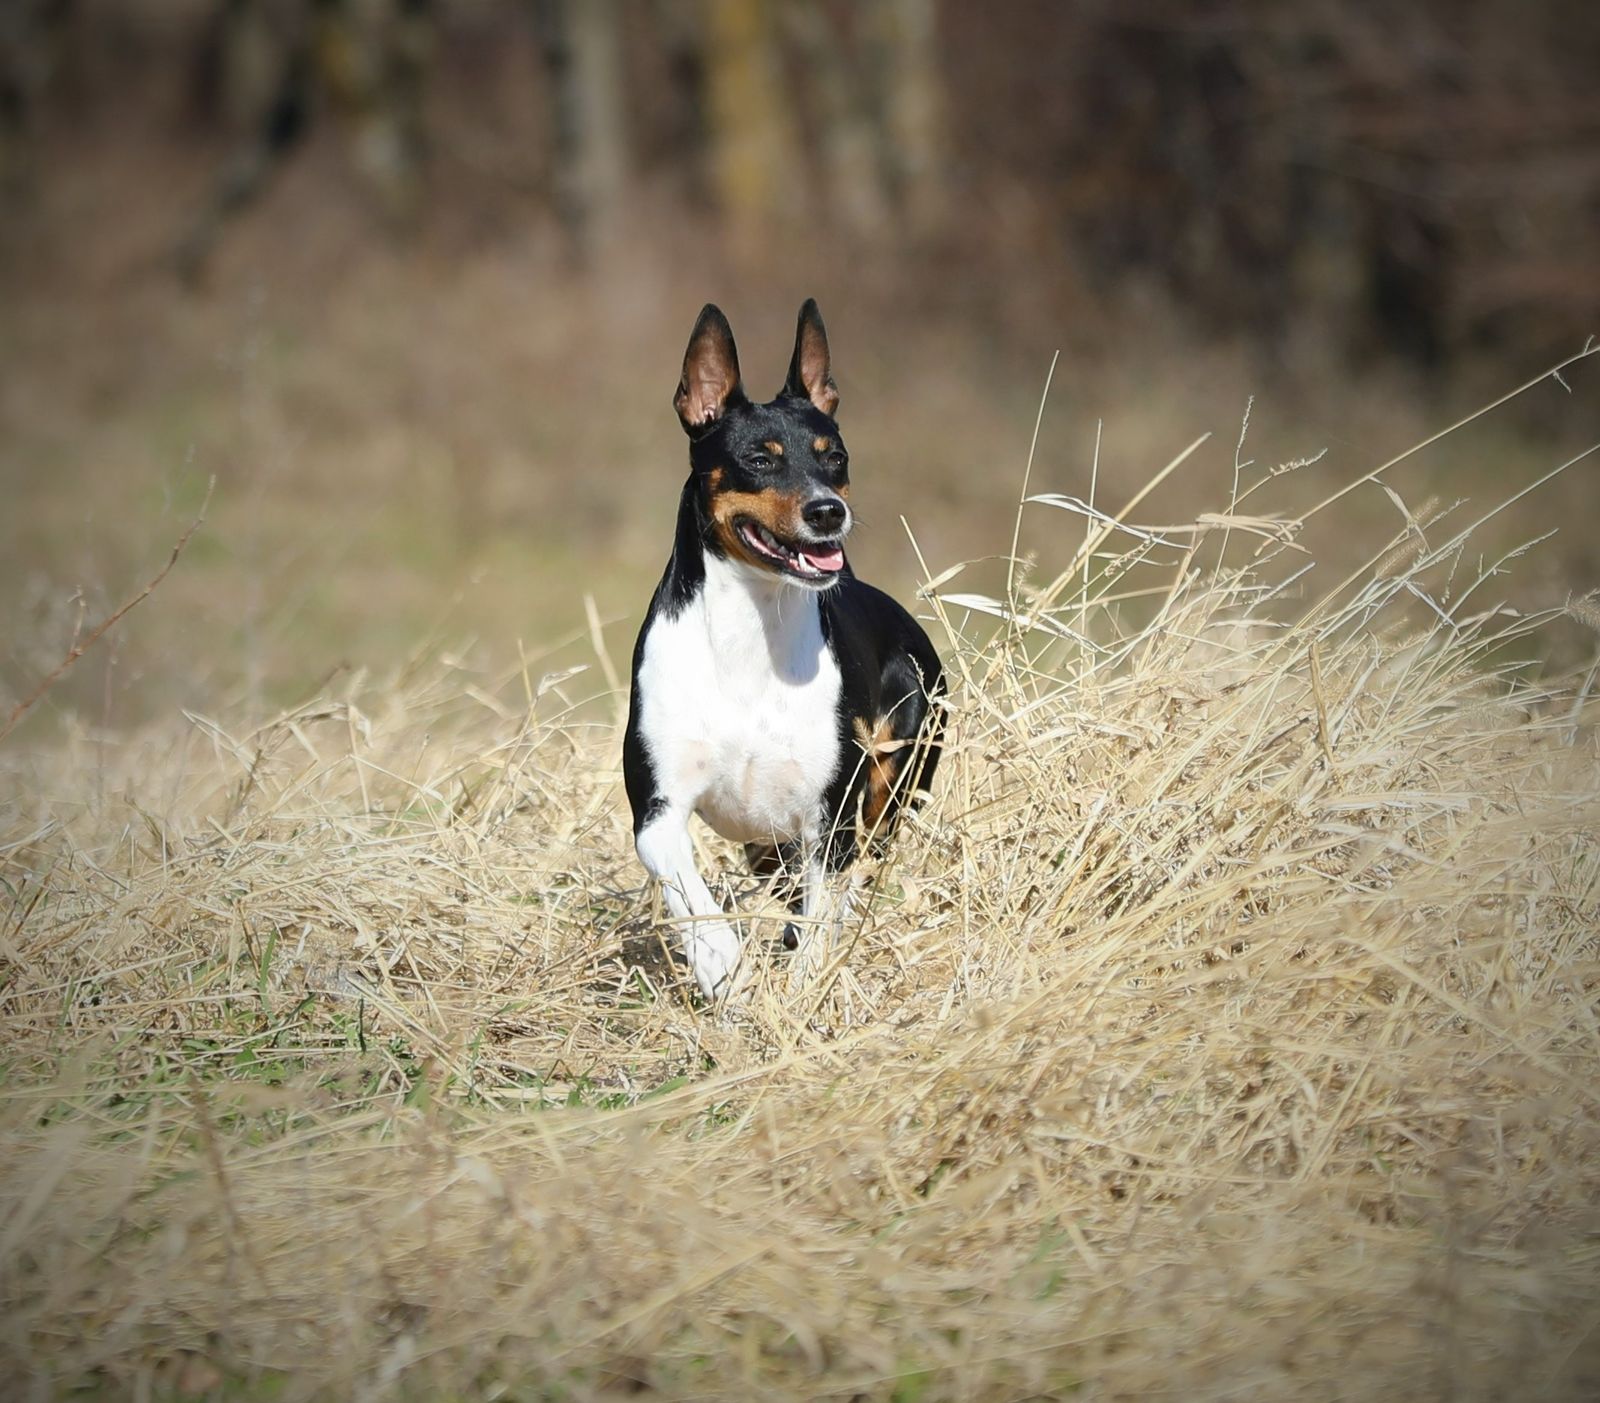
<point x="1225" y="1027"/>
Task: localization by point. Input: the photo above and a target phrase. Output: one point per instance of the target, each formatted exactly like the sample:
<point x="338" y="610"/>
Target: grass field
<point x="461" y="448"/>
<point x="1226" y="1027"/>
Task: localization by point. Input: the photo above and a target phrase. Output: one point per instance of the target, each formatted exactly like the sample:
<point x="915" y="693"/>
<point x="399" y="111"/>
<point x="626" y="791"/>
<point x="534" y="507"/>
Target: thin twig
<point x="78" y="649"/>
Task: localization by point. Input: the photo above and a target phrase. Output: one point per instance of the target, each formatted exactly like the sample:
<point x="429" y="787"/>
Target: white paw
<point x="712" y="949"/>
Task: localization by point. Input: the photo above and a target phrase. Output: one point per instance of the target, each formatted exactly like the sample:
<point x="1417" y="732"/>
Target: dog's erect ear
<point x="809" y="376"/>
<point x="710" y="380"/>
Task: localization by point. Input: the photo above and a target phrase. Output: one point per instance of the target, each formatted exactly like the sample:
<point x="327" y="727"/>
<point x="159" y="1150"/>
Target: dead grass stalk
<point x="1226" y="1027"/>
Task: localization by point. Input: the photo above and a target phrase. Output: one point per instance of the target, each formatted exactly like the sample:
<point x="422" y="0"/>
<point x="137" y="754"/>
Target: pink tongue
<point x="830" y="559"/>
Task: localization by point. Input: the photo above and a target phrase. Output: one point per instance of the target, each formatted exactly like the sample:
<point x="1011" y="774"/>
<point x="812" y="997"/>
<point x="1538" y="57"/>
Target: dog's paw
<point x="712" y="949"/>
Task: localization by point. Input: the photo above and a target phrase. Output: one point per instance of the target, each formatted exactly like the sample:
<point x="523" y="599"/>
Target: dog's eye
<point x="760" y="461"/>
<point x="835" y="459"/>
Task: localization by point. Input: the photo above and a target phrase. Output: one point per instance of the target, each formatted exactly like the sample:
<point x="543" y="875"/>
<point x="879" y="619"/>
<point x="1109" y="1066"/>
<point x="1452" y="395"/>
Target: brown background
<point x="412" y="281"/>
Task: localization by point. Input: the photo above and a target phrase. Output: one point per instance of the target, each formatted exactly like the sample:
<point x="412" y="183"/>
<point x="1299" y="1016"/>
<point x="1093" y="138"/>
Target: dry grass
<point x="1226" y="1028"/>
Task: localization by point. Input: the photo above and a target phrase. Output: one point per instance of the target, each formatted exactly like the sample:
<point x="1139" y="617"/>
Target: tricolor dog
<point x="774" y="694"/>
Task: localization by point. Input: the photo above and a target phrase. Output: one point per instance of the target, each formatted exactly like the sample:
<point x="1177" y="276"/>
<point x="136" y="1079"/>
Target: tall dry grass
<point x="1225" y="1028"/>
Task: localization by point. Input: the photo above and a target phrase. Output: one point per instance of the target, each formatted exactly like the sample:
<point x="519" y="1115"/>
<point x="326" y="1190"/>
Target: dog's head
<point x="773" y="479"/>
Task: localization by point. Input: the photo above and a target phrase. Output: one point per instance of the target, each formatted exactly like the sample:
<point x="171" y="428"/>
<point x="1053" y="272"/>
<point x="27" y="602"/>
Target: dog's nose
<point x="825" y="515"/>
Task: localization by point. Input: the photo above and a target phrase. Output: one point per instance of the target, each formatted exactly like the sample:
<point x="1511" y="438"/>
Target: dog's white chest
<point x="739" y="707"/>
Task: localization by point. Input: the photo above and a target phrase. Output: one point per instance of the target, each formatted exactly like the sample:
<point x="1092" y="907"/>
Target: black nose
<point x="824" y="515"/>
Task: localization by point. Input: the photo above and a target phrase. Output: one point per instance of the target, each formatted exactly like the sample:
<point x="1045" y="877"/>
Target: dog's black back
<point x="889" y="671"/>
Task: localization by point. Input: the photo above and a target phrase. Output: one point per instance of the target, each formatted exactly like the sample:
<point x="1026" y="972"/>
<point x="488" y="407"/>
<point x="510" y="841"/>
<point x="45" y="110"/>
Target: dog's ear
<point x="710" y="380"/>
<point x="809" y="376"/>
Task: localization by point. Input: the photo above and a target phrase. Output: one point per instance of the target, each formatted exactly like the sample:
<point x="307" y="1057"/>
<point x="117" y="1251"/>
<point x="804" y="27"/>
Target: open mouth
<point x="803" y="560"/>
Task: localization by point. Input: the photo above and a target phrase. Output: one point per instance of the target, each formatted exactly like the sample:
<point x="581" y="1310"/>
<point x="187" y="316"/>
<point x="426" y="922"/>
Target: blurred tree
<point x="906" y="39"/>
<point x="1417" y="180"/>
<point x="683" y="124"/>
<point x="367" y="59"/>
<point x="864" y="81"/>
<point x="847" y="118"/>
<point x="749" y="127"/>
<point x="32" y="33"/>
<point x="581" y="41"/>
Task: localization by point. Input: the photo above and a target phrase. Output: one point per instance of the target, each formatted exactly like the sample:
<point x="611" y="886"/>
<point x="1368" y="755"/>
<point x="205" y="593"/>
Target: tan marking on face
<point x="883" y="769"/>
<point x="773" y="447"/>
<point x="714" y="478"/>
<point x="821" y="444"/>
<point x="778" y="511"/>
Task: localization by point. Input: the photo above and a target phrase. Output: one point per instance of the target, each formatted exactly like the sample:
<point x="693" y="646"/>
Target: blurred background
<point x="411" y="280"/>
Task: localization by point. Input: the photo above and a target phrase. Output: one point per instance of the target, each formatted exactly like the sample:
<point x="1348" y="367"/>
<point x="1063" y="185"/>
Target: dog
<point x="793" y="707"/>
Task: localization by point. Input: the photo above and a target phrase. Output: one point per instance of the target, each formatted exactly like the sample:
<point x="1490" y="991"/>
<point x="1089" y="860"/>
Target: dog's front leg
<point x="815" y="929"/>
<point x="710" y="943"/>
